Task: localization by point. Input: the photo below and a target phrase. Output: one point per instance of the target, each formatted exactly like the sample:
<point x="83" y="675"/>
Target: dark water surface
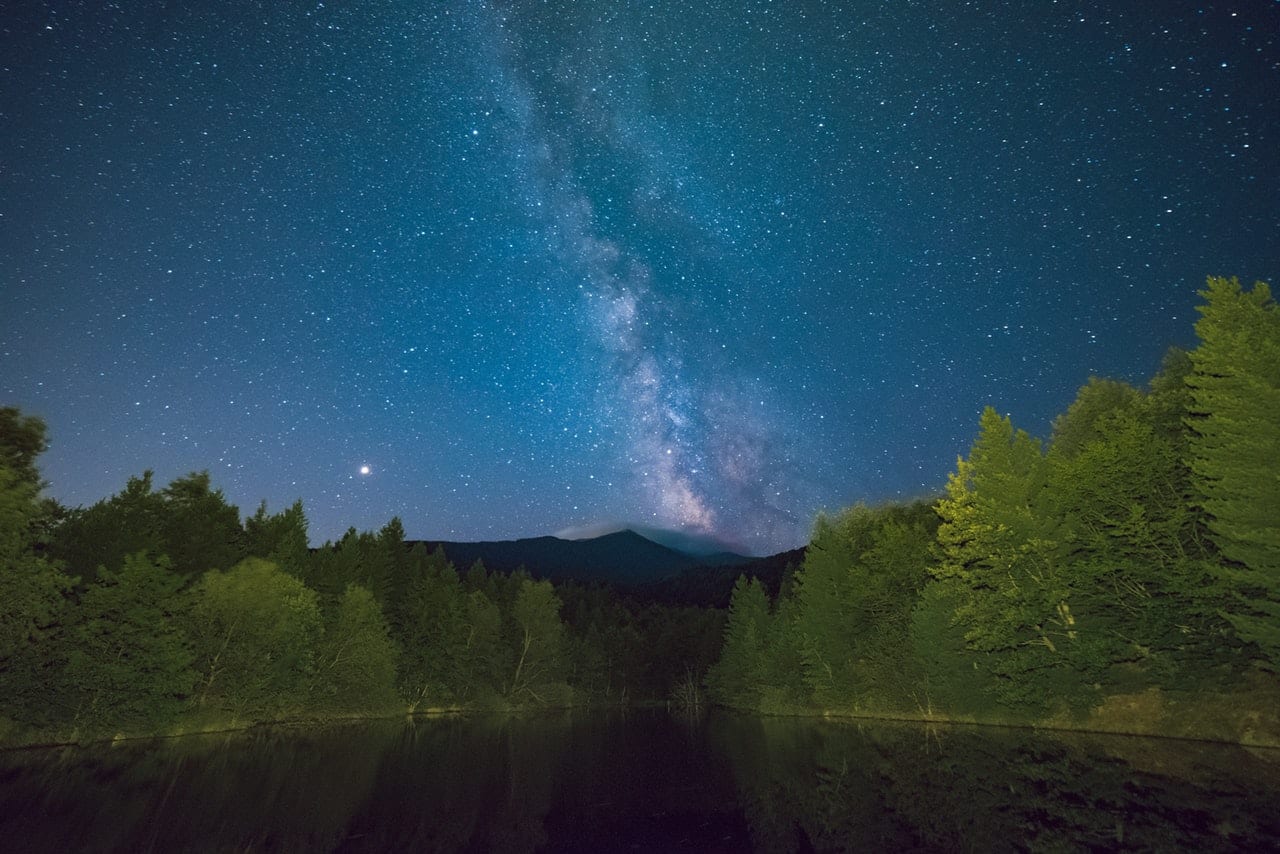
<point x="640" y="781"/>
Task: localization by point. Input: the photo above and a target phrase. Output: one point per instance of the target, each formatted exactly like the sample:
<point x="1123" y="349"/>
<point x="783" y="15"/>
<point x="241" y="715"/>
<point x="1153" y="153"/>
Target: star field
<point x="504" y="269"/>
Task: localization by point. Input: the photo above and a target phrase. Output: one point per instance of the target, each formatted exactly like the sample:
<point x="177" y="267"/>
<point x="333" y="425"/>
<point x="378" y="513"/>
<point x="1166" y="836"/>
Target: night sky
<point x="507" y="269"/>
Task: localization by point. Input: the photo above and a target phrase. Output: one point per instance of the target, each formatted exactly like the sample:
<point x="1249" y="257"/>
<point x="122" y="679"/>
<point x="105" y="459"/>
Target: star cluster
<point x="503" y="269"/>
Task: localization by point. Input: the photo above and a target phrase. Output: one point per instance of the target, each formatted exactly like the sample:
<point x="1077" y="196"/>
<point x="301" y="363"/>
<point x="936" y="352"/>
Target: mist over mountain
<point x="689" y="543"/>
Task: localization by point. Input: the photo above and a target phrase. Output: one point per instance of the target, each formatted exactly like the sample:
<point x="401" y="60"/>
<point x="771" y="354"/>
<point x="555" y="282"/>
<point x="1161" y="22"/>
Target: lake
<point x="640" y="781"/>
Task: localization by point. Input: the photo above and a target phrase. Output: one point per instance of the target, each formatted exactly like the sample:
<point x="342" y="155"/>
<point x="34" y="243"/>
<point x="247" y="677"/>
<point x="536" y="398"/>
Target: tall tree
<point x="201" y="530"/>
<point x="128" y="522"/>
<point x="22" y="440"/>
<point x="130" y="663"/>
<point x="356" y="658"/>
<point x="1234" y="448"/>
<point x="860" y="578"/>
<point x="433" y="626"/>
<point x="737" y="678"/>
<point x="539" y="641"/>
<point x="997" y="543"/>
<point x="1118" y="490"/>
<point x="255" y="629"/>
<point x="279" y="537"/>
<point x="33" y="603"/>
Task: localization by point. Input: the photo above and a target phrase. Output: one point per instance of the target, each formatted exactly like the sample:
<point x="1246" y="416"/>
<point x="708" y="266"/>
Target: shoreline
<point x="835" y="715"/>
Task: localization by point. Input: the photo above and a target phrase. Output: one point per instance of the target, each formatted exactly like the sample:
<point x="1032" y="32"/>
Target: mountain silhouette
<point x="623" y="557"/>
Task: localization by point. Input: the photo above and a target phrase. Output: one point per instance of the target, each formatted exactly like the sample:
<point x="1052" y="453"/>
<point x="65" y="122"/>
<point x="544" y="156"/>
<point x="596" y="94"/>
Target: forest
<point x="161" y="611"/>
<point x="1124" y="575"/>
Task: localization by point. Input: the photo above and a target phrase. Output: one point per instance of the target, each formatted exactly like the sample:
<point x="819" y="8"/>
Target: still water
<point x="640" y="781"/>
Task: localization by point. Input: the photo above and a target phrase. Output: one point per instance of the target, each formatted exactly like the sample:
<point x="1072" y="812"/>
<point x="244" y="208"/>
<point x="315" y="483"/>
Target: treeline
<point x="162" y="611"/>
<point x="1128" y="572"/>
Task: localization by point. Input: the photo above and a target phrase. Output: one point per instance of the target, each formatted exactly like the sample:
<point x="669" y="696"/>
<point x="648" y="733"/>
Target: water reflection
<point x="841" y="786"/>
<point x="643" y="781"/>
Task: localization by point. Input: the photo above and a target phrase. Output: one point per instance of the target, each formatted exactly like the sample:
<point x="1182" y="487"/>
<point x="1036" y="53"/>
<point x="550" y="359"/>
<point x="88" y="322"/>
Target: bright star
<point x="364" y="470"/>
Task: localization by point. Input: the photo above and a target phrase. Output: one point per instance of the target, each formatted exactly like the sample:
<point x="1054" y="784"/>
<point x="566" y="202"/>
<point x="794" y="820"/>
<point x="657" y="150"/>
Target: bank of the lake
<point x="1249" y="719"/>
<point x="1246" y="720"/>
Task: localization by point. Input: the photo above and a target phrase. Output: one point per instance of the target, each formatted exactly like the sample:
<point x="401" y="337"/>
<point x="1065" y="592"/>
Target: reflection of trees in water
<point x="841" y="786"/>
<point x="465" y="784"/>
<point x="597" y="782"/>
<point x="504" y="784"/>
<point x="268" y="790"/>
<point x="442" y="785"/>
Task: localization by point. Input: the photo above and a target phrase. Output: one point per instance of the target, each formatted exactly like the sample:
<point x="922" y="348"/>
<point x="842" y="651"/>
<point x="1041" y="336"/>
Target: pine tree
<point x="431" y="622"/>
<point x="1235" y="451"/>
<point x="1117" y="489"/>
<point x="737" y="678"/>
<point x="104" y="534"/>
<point x="280" y="538"/>
<point x="997" y="545"/>
<point x="855" y="591"/>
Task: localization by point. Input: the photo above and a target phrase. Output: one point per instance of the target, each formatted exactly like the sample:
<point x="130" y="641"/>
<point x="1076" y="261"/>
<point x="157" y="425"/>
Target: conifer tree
<point x="855" y="590"/>
<point x="201" y="530"/>
<point x="1234" y="452"/>
<point x="997" y="545"/>
<point x="103" y="534"/>
<point x="737" y="678"/>
<point x="279" y="537"/>
<point x="435" y="634"/>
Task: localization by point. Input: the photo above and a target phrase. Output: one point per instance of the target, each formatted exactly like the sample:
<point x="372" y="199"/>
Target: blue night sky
<point x="541" y="265"/>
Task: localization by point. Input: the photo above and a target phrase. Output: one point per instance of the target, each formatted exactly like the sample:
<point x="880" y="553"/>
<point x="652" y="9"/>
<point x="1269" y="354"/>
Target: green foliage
<point x="737" y="679"/>
<point x="1234" y="448"/>
<point x="128" y="522"/>
<point x="784" y="687"/>
<point x="280" y="538"/>
<point x="356" y="659"/>
<point x="129" y="667"/>
<point x="855" y="591"/>
<point x="22" y="439"/>
<point x="200" y="530"/>
<point x="1118" y="492"/>
<point x="952" y="679"/>
<point x="1084" y="422"/>
<point x="997" y="543"/>
<point x="482" y="667"/>
<point x="188" y="521"/>
<point x="434" y="627"/>
<point x="377" y="562"/>
<point x="539" y="641"/>
<point x="33" y="606"/>
<point x="255" y="630"/>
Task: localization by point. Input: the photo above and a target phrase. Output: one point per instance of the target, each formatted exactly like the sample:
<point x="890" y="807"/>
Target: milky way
<point x="677" y="413"/>
<point x="505" y="269"/>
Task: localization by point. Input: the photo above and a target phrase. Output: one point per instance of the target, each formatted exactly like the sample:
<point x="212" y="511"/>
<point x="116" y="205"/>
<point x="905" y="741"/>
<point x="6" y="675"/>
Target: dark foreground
<point x="643" y="781"/>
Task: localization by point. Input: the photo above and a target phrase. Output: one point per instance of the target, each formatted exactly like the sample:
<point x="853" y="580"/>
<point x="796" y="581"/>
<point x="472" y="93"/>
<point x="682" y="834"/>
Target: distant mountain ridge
<point x="623" y="557"/>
